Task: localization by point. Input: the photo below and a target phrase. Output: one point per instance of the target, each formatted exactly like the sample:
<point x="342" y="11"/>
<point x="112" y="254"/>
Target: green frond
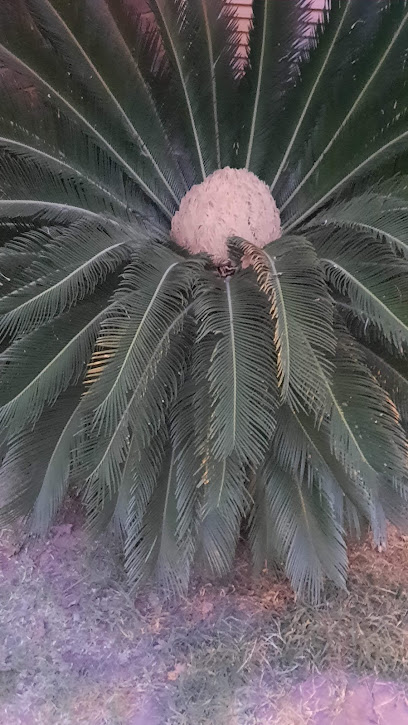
<point x="233" y="326"/>
<point x="262" y="540"/>
<point x="364" y="270"/>
<point x="34" y="457"/>
<point x="40" y="175"/>
<point x="212" y="55"/>
<point x="223" y="504"/>
<point x="372" y="419"/>
<point x="380" y="212"/>
<point x="275" y="39"/>
<point x="103" y="71"/>
<point x="136" y="484"/>
<point x="395" y="504"/>
<point x="308" y="540"/>
<point x="151" y="544"/>
<point x="288" y="273"/>
<point x="303" y="450"/>
<point x="138" y="364"/>
<point x="219" y="500"/>
<point x="392" y="374"/>
<point x="25" y="215"/>
<point x="55" y="479"/>
<point x="353" y="138"/>
<point x="46" y="125"/>
<point x="151" y="302"/>
<point x="71" y="264"/>
<point x="174" y="21"/>
<point x="36" y="368"/>
<point x="304" y="98"/>
<point x="184" y="441"/>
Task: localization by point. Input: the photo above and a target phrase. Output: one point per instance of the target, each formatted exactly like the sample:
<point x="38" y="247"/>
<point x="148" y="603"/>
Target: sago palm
<point x="204" y="274"/>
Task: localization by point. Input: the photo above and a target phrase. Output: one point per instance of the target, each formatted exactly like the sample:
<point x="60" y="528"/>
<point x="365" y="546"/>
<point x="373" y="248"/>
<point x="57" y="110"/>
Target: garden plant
<point x="204" y="279"/>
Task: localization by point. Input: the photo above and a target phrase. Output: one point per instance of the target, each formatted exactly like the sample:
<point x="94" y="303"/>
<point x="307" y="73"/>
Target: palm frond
<point x="380" y="212"/>
<point x="369" y="412"/>
<point x="156" y="287"/>
<point x="379" y="61"/>
<point x="275" y="39"/>
<point x="26" y="214"/>
<point x="350" y="446"/>
<point x="136" y="484"/>
<point x="141" y="40"/>
<point x="262" y="540"/>
<point x="223" y="504"/>
<point x="308" y="539"/>
<point x="212" y="59"/>
<point x="172" y="19"/>
<point x="70" y="266"/>
<point x="55" y="480"/>
<point x="184" y="441"/>
<point x="36" y="119"/>
<point x="39" y="175"/>
<point x="36" y="368"/>
<point x="392" y="373"/>
<point x="232" y="317"/>
<point x="366" y="271"/>
<point x="388" y="144"/>
<point x="151" y="543"/>
<point x="100" y="64"/>
<point x="304" y="451"/>
<point x="138" y="364"/>
<point x="298" y="114"/>
<point x="29" y="462"/>
<point x="289" y="275"/>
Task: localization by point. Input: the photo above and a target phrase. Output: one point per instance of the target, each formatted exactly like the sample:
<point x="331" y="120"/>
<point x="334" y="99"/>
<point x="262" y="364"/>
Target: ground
<point x="77" y="649"/>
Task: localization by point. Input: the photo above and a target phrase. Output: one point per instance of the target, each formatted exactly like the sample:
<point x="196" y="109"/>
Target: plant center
<point x="228" y="203"/>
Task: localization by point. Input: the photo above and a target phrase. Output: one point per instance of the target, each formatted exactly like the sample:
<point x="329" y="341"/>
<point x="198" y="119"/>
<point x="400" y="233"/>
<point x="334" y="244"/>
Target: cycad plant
<point x="204" y="278"/>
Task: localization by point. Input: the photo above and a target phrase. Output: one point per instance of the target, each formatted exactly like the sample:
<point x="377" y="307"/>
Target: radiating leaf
<point x="275" y="38"/>
<point x="35" y="454"/>
<point x="55" y="480"/>
<point x="233" y="315"/>
<point x="303" y="450"/>
<point x="308" y="539"/>
<point x="36" y="368"/>
<point x="384" y="215"/>
<point x="70" y="266"/>
<point x="224" y="502"/>
<point x="379" y="61"/>
<point x="138" y="364"/>
<point x="288" y="274"/>
<point x="151" y="544"/>
<point x="392" y="374"/>
<point x="365" y="271"/>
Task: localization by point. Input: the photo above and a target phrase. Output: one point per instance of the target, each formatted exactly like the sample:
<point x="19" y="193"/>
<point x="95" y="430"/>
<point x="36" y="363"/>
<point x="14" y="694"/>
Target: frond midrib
<point x="258" y="89"/>
<point x="234" y="362"/>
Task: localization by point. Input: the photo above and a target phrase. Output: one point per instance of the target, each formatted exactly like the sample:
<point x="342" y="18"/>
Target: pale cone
<point x="228" y="203"/>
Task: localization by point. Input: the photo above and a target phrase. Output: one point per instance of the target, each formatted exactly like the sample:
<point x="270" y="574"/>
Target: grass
<point x="262" y="638"/>
<point x="78" y="649"/>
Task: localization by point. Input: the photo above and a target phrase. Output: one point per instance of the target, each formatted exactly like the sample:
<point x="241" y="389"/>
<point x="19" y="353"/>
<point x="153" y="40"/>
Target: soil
<point x="77" y="649"/>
